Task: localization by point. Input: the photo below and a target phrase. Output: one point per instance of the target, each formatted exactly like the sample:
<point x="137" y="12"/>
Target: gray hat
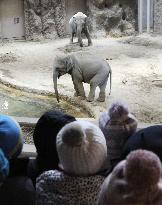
<point x="81" y="148"/>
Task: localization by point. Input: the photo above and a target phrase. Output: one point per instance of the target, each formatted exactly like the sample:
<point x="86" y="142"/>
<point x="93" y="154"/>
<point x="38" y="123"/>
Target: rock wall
<point x="44" y="19"/>
<point x="113" y="17"/>
<point x="47" y="18"/>
<point x="158" y="16"/>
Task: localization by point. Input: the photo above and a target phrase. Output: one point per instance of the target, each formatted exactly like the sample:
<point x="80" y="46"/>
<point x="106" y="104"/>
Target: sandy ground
<point x="136" y="70"/>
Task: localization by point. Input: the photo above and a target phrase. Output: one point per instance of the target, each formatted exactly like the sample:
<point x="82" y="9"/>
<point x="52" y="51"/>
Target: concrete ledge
<point x="29" y="150"/>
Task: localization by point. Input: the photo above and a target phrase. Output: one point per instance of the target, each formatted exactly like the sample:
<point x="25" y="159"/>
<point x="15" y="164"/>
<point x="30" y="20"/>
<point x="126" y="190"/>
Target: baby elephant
<point x="92" y="70"/>
<point x="78" y="25"/>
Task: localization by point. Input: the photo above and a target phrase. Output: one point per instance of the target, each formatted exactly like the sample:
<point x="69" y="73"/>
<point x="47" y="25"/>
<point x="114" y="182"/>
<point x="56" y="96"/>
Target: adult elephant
<point x="78" y="25"/>
<point x="92" y="70"/>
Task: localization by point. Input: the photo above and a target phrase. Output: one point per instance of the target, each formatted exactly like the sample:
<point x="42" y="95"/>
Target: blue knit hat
<point x="4" y="167"/>
<point x="11" y="140"/>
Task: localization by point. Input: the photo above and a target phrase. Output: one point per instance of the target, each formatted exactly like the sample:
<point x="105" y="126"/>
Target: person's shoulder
<point x="19" y="184"/>
<point x="51" y="175"/>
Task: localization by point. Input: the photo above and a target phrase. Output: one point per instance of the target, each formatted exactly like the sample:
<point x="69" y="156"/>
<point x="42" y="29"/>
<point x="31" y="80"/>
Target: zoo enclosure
<point x="21" y="19"/>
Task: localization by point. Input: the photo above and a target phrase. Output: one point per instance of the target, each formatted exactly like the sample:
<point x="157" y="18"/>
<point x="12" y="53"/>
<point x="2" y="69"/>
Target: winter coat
<point x="18" y="190"/>
<point x="57" y="188"/>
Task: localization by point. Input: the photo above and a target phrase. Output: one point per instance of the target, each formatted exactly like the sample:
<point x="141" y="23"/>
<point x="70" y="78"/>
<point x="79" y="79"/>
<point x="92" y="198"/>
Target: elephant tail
<point x="110" y="74"/>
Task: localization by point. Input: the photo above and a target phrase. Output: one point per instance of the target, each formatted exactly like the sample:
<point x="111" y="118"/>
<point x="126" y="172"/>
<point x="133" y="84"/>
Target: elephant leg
<point x="88" y="36"/>
<point x="102" y="87"/>
<point x="80" y="39"/>
<point x="72" y="36"/>
<point x="76" y="94"/>
<point x="79" y="89"/>
<point x="93" y="85"/>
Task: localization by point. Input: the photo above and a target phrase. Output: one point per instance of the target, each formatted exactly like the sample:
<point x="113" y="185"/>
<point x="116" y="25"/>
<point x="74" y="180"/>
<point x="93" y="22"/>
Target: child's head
<point x="4" y="167"/>
<point x="134" y="176"/>
<point x="118" y="114"/>
<point x="81" y="148"/>
<point x="118" y="111"/>
<point x="45" y="133"/>
<point x="11" y="139"/>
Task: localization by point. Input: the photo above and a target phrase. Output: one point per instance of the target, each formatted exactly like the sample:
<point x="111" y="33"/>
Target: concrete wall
<point x="158" y="16"/>
<point x="12" y="18"/>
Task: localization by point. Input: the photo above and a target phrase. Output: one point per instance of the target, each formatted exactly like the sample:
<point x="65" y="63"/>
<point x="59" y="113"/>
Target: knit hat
<point x="142" y="169"/>
<point x="81" y="148"/>
<point x="4" y="167"/>
<point x="11" y="139"/>
<point x="136" y="180"/>
<point x="45" y="133"/>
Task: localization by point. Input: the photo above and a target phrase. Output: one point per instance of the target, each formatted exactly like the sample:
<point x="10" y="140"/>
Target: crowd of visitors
<point x="82" y="163"/>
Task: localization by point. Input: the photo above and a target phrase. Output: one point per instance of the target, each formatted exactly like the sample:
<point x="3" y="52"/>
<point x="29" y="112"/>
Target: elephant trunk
<point x="55" y="76"/>
<point x="79" y="31"/>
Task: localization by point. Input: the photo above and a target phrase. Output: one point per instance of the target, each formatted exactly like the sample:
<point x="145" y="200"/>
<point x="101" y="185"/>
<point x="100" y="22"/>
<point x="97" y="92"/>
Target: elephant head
<point x="80" y="22"/>
<point x="62" y="65"/>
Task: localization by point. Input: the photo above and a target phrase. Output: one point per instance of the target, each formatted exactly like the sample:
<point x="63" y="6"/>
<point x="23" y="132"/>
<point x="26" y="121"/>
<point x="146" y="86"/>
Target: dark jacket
<point x="19" y="166"/>
<point x="18" y="190"/>
<point x="149" y="138"/>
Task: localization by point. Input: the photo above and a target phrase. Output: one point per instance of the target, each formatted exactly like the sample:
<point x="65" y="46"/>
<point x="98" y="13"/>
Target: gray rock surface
<point x="44" y="19"/>
<point x="115" y="18"/>
<point x="47" y="18"/>
<point x="158" y="16"/>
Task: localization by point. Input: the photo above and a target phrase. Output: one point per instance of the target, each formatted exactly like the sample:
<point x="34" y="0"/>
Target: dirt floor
<point x="136" y="70"/>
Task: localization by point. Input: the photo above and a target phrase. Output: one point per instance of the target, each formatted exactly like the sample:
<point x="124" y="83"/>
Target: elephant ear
<point x="87" y="22"/>
<point x="74" y="19"/>
<point x="69" y="64"/>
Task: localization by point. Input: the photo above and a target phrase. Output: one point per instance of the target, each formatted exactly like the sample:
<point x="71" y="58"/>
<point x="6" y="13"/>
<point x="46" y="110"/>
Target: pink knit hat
<point x="134" y="181"/>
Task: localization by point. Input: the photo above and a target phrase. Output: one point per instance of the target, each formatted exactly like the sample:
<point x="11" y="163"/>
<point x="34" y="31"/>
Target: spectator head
<point x="138" y="178"/>
<point x="118" y="114"/>
<point x="4" y="167"/>
<point x="45" y="133"/>
<point x="81" y="148"/>
<point x="149" y="138"/>
<point x="118" y="111"/>
<point x="11" y="139"/>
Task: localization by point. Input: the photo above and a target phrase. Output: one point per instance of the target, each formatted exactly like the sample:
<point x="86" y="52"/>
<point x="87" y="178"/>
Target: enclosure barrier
<point x="29" y="149"/>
